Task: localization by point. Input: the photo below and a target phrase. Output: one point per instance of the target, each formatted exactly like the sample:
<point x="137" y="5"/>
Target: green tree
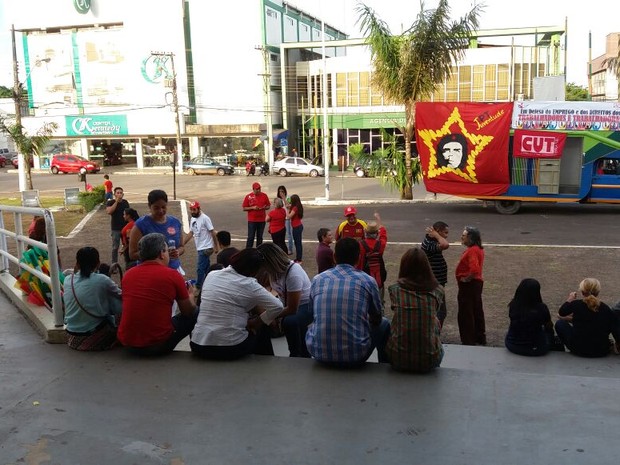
<point x="409" y="67"/>
<point x="387" y="163"/>
<point x="575" y="92"/>
<point x="28" y="145"/>
<point x="6" y="92"/>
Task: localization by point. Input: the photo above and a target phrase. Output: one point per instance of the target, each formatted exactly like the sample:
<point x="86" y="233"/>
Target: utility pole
<point x="267" y="101"/>
<point x="177" y="158"/>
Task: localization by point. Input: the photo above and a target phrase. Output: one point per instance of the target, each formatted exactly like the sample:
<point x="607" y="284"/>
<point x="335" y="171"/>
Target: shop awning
<point x="280" y="134"/>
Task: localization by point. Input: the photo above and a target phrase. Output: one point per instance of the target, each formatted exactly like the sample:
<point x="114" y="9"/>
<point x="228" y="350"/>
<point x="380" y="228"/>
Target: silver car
<point x="296" y="165"/>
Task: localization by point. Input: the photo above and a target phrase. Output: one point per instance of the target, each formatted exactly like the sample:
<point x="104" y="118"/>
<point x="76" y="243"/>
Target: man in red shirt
<point x="149" y="291"/>
<point x="256" y="203"/>
<point x="352" y="227"/>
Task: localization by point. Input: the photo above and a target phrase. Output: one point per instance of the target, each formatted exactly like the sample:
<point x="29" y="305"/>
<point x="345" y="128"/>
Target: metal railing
<point x="21" y="243"/>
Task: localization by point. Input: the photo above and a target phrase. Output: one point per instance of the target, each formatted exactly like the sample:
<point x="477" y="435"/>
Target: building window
<point x="290" y="21"/>
<point x="272" y="13"/>
<point x="341" y="90"/>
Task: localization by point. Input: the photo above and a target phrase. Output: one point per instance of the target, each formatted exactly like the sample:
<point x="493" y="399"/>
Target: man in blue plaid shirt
<point x="348" y="321"/>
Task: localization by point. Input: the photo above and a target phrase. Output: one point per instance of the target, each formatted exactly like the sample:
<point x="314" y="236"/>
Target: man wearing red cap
<point x="201" y="229"/>
<point x="256" y="203"/>
<point x="351" y="227"/>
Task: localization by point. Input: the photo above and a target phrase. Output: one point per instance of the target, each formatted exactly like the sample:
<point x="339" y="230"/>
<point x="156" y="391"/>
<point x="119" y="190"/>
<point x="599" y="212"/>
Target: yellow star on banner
<point x="454" y="124"/>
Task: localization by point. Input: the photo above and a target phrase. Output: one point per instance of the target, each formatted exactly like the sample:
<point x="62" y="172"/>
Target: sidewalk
<point x="483" y="406"/>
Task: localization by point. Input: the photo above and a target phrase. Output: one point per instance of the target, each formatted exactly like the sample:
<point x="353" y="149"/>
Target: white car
<point x="297" y="165"/>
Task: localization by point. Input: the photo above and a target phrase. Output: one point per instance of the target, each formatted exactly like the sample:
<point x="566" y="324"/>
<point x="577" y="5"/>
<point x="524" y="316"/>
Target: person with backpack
<point x="372" y="248"/>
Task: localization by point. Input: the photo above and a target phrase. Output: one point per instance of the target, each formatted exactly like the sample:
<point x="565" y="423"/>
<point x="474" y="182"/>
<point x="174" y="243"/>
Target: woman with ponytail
<point x="585" y="324"/>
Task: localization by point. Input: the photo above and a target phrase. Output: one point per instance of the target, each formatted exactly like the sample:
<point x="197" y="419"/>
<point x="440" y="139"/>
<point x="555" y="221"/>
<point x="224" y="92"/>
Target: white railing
<point x="21" y="241"/>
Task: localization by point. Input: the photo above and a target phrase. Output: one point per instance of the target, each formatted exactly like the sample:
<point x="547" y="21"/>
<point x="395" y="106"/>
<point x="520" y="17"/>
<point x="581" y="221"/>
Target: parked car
<point x="69" y="163"/>
<point x="207" y="166"/>
<point x="297" y="165"/>
<point x="15" y="162"/>
<point x="3" y="161"/>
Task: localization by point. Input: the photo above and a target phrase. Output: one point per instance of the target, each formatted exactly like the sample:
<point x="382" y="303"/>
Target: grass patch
<point x="64" y="221"/>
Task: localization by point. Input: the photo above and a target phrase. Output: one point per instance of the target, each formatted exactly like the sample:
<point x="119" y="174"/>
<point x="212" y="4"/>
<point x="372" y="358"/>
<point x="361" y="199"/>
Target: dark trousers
<point x="279" y="239"/>
<point x="471" y="313"/>
<point x="183" y="327"/>
<point x="255" y="228"/>
<point x="541" y="345"/>
<point x="259" y="344"/>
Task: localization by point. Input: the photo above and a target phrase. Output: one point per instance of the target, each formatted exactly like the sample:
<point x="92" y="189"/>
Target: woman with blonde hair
<point x="414" y="343"/>
<point x="289" y="280"/>
<point x="585" y="324"/>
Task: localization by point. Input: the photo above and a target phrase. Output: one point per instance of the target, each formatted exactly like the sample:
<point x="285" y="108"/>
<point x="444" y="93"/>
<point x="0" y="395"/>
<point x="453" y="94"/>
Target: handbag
<point x="111" y="319"/>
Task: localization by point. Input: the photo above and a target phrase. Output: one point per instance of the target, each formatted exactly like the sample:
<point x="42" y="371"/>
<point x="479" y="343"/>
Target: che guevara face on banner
<point x="463" y="146"/>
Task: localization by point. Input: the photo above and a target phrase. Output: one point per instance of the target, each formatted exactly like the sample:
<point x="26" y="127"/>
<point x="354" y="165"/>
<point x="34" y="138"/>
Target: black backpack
<point x="374" y="264"/>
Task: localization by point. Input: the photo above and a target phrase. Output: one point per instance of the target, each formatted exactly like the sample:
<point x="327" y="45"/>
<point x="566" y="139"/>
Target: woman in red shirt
<point x="295" y="214"/>
<point x="469" y="278"/>
<point x="130" y="216"/>
<point x="277" y="228"/>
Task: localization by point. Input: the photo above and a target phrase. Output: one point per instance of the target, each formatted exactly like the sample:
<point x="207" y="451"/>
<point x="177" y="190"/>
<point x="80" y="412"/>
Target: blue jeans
<point x="255" y="228"/>
<point x="379" y="336"/>
<point x="299" y="248"/>
<point x="203" y="265"/>
<point x="295" y="328"/>
<point x="289" y="236"/>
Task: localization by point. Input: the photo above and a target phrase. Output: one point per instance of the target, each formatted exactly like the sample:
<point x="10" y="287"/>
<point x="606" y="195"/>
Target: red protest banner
<point x="538" y="144"/>
<point x="463" y="146"/>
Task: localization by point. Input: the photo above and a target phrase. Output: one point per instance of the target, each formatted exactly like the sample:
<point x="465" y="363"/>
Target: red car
<point x="68" y="163"/>
<point x="15" y="162"/>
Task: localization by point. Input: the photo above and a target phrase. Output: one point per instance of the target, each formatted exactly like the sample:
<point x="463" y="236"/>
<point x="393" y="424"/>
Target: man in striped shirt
<point x="348" y="323"/>
<point x="434" y="243"/>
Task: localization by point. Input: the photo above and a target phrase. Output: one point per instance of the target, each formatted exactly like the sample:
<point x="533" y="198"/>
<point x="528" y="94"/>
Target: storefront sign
<point x="586" y="116"/>
<point x="96" y="125"/>
<point x="81" y="6"/>
<point x="538" y="144"/>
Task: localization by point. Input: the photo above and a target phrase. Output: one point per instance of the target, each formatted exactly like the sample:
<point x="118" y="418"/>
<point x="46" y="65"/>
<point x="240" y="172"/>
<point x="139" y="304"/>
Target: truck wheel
<point x="507" y="207"/>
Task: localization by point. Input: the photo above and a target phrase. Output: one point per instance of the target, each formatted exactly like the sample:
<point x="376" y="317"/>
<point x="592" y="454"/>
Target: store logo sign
<point x="81" y="6"/>
<point x="96" y="125"/>
<point x="156" y="68"/>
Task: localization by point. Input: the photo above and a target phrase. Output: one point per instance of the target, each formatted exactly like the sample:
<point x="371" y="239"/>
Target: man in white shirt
<point x="201" y="229"/>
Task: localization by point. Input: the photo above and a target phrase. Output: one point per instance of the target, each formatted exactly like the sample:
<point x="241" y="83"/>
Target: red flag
<point x="463" y="147"/>
<point x="538" y="144"/>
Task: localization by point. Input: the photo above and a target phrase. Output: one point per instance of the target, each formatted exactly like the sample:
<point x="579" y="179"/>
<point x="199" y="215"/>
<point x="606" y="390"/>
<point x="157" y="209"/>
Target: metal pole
<point x="326" y="157"/>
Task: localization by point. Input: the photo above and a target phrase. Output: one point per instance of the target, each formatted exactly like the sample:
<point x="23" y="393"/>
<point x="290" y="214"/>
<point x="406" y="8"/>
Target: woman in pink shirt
<point x="277" y="228"/>
<point x="295" y="214"/>
<point x="469" y="278"/>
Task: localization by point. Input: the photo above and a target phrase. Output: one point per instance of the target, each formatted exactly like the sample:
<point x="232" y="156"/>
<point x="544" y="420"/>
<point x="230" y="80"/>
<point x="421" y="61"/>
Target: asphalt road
<point x="536" y="224"/>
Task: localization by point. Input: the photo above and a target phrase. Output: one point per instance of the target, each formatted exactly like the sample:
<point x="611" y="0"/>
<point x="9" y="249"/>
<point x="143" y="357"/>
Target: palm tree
<point x="409" y="67"/>
<point x="28" y="145"/>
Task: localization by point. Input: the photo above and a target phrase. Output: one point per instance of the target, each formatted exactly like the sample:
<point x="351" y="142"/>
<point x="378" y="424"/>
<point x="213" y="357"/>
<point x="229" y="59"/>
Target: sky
<point x="601" y="20"/>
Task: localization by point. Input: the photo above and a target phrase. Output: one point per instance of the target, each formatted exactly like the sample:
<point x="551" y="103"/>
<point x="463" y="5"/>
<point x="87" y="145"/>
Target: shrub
<point x="90" y="200"/>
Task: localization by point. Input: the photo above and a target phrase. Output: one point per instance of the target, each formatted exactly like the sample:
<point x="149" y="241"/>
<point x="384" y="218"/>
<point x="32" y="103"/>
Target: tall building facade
<point x="109" y="72"/>
<point x="603" y="81"/>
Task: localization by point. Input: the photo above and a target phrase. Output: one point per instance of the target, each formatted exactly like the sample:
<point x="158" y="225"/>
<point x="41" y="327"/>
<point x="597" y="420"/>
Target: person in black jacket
<point x="585" y="324"/>
<point x="530" y="331"/>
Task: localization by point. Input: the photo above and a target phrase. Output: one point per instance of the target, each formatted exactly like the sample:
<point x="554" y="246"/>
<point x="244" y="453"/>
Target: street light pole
<point x="17" y="97"/>
<point x="177" y="158"/>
